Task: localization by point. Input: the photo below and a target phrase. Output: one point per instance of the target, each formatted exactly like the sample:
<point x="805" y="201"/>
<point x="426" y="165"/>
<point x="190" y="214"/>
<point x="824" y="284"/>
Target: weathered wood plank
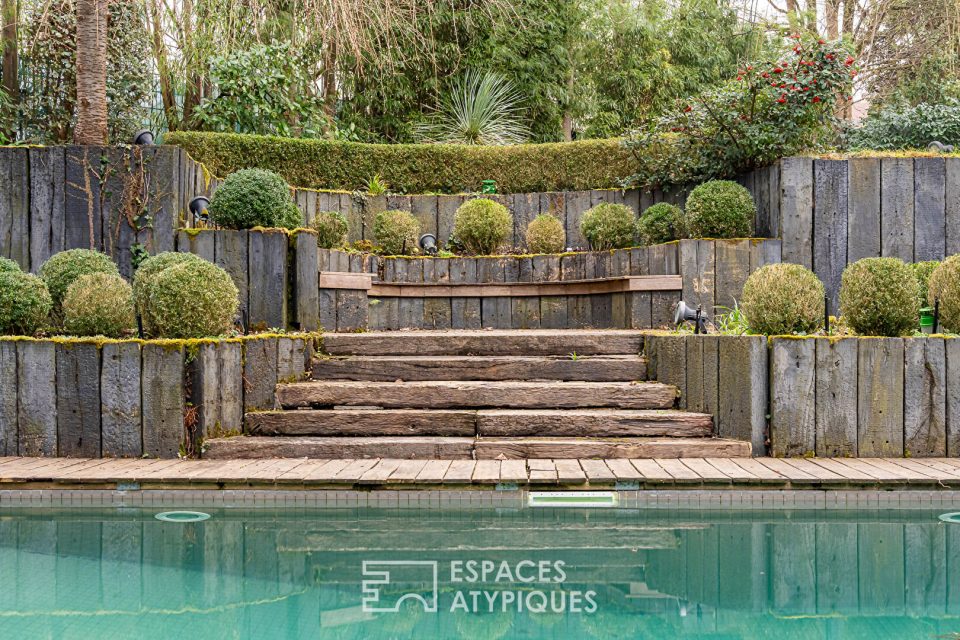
<point x="163" y="400"/>
<point x="792" y="397"/>
<point x="352" y="306"/>
<point x="259" y="373"/>
<point x="36" y="398"/>
<point x="925" y="398"/>
<point x="952" y="205"/>
<point x="830" y="221"/>
<point x="881" y="570"/>
<point x="880" y="397"/>
<point x="120" y="407"/>
<point x="836" y="397"/>
<point x="78" y="400"/>
<point x="362" y="422"/>
<point x="424" y="209"/>
<point x="8" y="398"/>
<point x="306" y="299"/>
<point x="796" y="210"/>
<point x="698" y="268"/>
<point x="47" y="183"/>
<point x="743" y="390"/>
<point x="592" y="422"/>
<point x="897" y="208"/>
<point x="231" y="251"/>
<point x="952" y="352"/>
<point x="929" y="218"/>
<point x="268" y="279"/>
<point x="732" y="270"/>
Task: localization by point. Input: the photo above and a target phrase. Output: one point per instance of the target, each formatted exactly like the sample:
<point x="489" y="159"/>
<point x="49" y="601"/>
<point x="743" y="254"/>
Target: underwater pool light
<point x="182" y="516"/>
<point x="951" y="518"/>
<point x="577" y="499"/>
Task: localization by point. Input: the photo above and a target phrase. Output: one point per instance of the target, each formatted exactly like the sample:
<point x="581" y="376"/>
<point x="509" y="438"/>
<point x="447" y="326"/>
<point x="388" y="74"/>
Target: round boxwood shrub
<point x="331" y="228"/>
<point x="482" y="225"/>
<point x="6" y="264"/>
<point x="923" y="271"/>
<point x="879" y="297"/>
<point x="661" y="222"/>
<point x="143" y="279"/>
<point x="64" y="268"/>
<point x="720" y="209"/>
<point x="292" y="217"/>
<point x="99" y="304"/>
<point x="608" y="226"/>
<point x="782" y="299"/>
<point x="192" y="300"/>
<point x="25" y="303"/>
<point x="545" y="234"/>
<point x="250" y="198"/>
<point x="397" y="232"/>
<point x="945" y="286"/>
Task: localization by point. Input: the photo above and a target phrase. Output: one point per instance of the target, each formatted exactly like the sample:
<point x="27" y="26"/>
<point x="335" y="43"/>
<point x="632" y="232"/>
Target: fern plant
<point x="483" y="108"/>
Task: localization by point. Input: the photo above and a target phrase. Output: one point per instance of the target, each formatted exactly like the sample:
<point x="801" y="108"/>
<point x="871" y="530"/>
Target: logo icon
<point x="388" y="583"/>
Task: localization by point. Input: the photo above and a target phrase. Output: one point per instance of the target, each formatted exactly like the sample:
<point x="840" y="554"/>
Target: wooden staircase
<point x="478" y="395"/>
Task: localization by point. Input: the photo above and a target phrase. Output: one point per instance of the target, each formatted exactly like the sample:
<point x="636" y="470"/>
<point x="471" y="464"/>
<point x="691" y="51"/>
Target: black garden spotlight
<point x="428" y="244"/>
<point x="198" y="207"/>
<point x="684" y="313"/>
<point x="144" y="137"/>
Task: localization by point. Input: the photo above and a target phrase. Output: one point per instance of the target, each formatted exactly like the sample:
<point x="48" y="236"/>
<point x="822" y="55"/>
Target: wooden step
<point x="407" y="448"/>
<point x="606" y="448"/>
<point x="607" y="368"/>
<point x="485" y="343"/>
<point x="451" y="395"/>
<point x="465" y="423"/>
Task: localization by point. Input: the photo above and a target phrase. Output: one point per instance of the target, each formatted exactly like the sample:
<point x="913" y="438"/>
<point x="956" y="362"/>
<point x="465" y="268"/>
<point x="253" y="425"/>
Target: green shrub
<point x="397" y="232"/>
<point x="192" y="300"/>
<point x="923" y="271"/>
<point x="99" y="304"/>
<point x="331" y="228"/>
<point x="782" y="299"/>
<point x="879" y="297"/>
<point x="481" y="225"/>
<point x="25" y="303"/>
<point x="6" y="264"/>
<point x="144" y="276"/>
<point x="292" y="217"/>
<point x="661" y="222"/>
<point x="416" y="168"/>
<point x="903" y="127"/>
<point x="250" y="198"/>
<point x="545" y="234"/>
<point x="945" y="286"/>
<point x="608" y="226"/>
<point x="63" y="269"/>
<point x="720" y="209"/>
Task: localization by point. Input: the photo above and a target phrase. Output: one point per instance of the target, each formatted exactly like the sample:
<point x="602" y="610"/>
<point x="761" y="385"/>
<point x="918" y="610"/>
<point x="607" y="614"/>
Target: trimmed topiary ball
<point x="545" y="234"/>
<point x="64" y="268"/>
<point x="663" y="222"/>
<point x="99" y="304"/>
<point x="720" y="209"/>
<point x="250" y="198"/>
<point x="143" y="278"/>
<point x="25" y="303"/>
<point x="482" y="225"/>
<point x="782" y="299"/>
<point x="331" y="228"/>
<point x="879" y="297"/>
<point x="608" y="226"/>
<point x="6" y="264"/>
<point x="397" y="232"/>
<point x="292" y="217"/>
<point x="945" y="286"/>
<point x="923" y="271"/>
<point x="192" y="300"/>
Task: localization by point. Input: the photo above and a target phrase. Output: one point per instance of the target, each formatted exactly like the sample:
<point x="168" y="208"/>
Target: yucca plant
<point x="483" y="108"/>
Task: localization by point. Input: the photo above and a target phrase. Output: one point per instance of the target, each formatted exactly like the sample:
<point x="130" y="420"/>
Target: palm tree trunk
<point x="91" y="72"/>
<point x="11" y="85"/>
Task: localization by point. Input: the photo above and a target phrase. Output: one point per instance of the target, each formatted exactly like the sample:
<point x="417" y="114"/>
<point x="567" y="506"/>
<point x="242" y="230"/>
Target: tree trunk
<point x="163" y="66"/>
<point x="10" y="17"/>
<point x="567" y="118"/>
<point x="91" y="72"/>
<point x="193" y="90"/>
<point x="831" y="18"/>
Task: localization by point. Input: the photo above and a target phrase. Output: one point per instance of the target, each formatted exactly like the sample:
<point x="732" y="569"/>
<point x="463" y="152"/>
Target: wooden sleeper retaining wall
<point x="130" y="398"/>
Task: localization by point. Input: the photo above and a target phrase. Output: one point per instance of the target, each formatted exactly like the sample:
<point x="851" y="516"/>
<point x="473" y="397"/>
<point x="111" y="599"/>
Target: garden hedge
<point x="415" y="168"/>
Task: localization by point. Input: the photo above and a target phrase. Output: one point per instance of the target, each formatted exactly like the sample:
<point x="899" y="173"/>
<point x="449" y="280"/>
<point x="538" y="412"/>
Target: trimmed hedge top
<point x="415" y="168"/>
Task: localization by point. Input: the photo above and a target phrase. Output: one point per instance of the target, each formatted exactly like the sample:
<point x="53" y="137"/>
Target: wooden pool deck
<point x="289" y="473"/>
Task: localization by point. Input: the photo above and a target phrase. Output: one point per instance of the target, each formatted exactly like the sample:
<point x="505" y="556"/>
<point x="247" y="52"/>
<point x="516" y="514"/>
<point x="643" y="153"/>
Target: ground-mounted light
<point x="428" y="244"/>
<point x="198" y="207"/>
<point x="685" y="313"/>
<point x="144" y="137"/>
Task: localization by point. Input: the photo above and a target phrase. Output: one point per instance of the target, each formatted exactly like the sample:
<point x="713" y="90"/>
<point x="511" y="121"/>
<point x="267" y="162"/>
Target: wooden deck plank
<point x="908" y="474"/>
<point x="729" y="468"/>
<point x="433" y="471"/>
<point x="326" y="472"/>
<point x="764" y="475"/>
<point x="818" y="472"/>
<point x="651" y="471"/>
<point x="272" y="472"/>
<point x="354" y="470"/>
<point x="379" y="472"/>
<point x="785" y="470"/>
<point x="706" y="471"/>
<point x="623" y="470"/>
<point x="597" y="471"/>
<point x="570" y="471"/>
<point x="542" y="471"/>
<point x="679" y="471"/>
<point x="486" y="472"/>
<point x="831" y="464"/>
<point x="879" y="475"/>
<point x="459" y="472"/>
<point x="944" y="470"/>
<point x="407" y="471"/>
<point x="513" y="471"/>
<point x="942" y="477"/>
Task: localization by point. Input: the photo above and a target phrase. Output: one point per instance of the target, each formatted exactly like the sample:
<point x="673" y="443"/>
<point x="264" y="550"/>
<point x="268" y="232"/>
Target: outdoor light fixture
<point x="936" y="145"/>
<point x="144" y="137"/>
<point x="198" y="207"/>
<point x="428" y="243"/>
<point x="683" y="313"/>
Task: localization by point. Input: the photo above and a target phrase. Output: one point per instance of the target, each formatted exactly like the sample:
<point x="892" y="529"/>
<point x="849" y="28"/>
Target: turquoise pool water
<point x="483" y="575"/>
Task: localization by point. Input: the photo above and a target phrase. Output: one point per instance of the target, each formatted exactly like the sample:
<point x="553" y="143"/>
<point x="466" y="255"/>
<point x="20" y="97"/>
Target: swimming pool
<point x="478" y="574"/>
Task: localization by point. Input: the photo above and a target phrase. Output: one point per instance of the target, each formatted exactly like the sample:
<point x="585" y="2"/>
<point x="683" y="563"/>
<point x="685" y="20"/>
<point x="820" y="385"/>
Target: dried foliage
<point x="783" y="299"/>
